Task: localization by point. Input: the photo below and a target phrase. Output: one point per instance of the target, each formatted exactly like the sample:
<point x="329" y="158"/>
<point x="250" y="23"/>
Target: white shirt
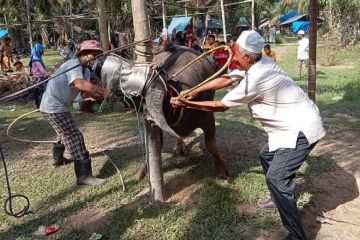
<point x="281" y="106"/>
<point x="303" y="49"/>
<point x="60" y="91"/>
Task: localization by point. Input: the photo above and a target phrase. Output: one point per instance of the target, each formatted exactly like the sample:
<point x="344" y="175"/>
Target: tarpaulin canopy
<point x="179" y="24"/>
<point x="3" y="33"/>
<point x="300" y="25"/>
<point x="288" y="15"/>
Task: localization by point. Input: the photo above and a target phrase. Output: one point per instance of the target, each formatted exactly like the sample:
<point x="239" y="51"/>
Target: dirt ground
<point x="332" y="212"/>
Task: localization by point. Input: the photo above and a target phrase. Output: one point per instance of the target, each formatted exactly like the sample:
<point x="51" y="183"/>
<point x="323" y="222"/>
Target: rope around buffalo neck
<point x="212" y="76"/>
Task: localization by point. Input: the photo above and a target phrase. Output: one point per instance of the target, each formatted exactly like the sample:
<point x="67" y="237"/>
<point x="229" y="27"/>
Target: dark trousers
<point x="280" y="167"/>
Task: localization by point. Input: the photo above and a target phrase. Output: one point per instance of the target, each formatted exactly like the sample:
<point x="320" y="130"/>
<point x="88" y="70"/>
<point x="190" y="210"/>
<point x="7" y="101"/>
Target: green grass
<point x="211" y="208"/>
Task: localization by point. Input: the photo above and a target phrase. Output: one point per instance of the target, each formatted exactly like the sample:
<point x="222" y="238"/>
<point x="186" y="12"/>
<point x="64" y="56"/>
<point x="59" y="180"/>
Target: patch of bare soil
<point x="181" y="189"/>
<point x="268" y="235"/>
<point x="88" y="220"/>
<point x="333" y="211"/>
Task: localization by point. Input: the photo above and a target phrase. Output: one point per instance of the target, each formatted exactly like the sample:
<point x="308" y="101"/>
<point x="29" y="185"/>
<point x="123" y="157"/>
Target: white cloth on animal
<point x="303" y="49"/>
<point x="281" y="106"/>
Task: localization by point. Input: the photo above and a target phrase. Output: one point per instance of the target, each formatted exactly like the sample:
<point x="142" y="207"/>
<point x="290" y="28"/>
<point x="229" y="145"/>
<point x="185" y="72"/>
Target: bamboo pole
<point x="223" y="20"/>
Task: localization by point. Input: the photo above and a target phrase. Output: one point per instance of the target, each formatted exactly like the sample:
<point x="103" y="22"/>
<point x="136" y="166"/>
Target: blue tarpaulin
<point x="288" y="15"/>
<point x="300" y="25"/>
<point x="179" y="23"/>
<point x="3" y="33"/>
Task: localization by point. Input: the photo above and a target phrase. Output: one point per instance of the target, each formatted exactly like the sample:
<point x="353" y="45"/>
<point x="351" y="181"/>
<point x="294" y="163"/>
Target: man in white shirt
<point x="289" y="117"/>
<point x="60" y="93"/>
<point x="302" y="51"/>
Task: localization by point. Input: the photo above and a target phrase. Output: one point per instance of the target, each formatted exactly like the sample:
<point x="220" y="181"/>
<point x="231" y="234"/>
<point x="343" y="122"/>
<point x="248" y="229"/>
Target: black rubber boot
<point x="58" y="155"/>
<point x="84" y="174"/>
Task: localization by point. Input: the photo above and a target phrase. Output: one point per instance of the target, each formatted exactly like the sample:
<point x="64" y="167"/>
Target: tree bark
<point x="313" y="10"/>
<point x="152" y="132"/>
<point x="104" y="36"/>
<point x="29" y="22"/>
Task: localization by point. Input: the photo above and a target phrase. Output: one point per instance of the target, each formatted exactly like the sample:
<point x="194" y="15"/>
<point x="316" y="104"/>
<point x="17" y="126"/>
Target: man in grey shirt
<point x="60" y="93"/>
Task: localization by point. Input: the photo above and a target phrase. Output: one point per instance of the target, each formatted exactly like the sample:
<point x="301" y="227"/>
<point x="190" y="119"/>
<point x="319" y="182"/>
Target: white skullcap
<point x="301" y="32"/>
<point x="251" y="41"/>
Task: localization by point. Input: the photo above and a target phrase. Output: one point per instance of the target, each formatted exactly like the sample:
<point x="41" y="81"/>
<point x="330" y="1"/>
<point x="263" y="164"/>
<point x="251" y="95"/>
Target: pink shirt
<point x="38" y="70"/>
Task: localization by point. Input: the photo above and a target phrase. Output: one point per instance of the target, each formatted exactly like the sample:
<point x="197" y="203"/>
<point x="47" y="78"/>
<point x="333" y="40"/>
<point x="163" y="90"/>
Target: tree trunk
<point x="29" y="22"/>
<point x="45" y="36"/>
<point x="313" y="10"/>
<point x="104" y="36"/>
<point x="152" y="132"/>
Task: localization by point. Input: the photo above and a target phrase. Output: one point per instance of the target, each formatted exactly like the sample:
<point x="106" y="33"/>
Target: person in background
<point x="38" y="72"/>
<point x="210" y="43"/>
<point x="272" y="33"/>
<point x="268" y="52"/>
<point x="196" y="46"/>
<point x="60" y="93"/>
<point x="266" y="32"/>
<point x="289" y="117"/>
<point x="302" y="51"/>
<point x="6" y="55"/>
<point x="232" y="65"/>
<point x="221" y="56"/>
<point x="18" y="64"/>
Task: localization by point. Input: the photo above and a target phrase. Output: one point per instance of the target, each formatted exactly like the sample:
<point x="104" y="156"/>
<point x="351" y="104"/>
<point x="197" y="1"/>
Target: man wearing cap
<point x="60" y="93"/>
<point x="302" y="51"/>
<point x="289" y="117"/>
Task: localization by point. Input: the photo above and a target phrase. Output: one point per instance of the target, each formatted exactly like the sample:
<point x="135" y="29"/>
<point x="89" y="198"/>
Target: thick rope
<point x="212" y="76"/>
<point x="28" y="113"/>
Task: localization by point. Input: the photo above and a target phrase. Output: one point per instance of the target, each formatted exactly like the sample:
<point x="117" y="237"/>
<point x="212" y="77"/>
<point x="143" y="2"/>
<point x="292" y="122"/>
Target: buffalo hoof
<point x="141" y="173"/>
<point x="224" y="172"/>
<point x="181" y="148"/>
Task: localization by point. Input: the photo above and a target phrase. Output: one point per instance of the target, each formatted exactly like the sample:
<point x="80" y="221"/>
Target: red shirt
<point x="221" y="56"/>
<point x="232" y="65"/>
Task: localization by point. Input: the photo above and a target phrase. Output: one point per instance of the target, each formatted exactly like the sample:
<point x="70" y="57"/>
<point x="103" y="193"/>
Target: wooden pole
<point x="223" y="20"/>
<point x="104" y="36"/>
<point x="29" y="22"/>
<point x="152" y="132"/>
<point x="253" y="14"/>
<point x="313" y="10"/>
<point x="163" y="14"/>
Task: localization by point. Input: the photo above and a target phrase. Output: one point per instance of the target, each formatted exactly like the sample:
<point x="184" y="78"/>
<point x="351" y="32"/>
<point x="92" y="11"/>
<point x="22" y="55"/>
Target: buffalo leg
<point x="210" y="142"/>
<point x="143" y="171"/>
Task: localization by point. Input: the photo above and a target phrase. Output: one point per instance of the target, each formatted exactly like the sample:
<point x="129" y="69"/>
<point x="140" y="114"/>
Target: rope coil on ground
<point x="8" y="202"/>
